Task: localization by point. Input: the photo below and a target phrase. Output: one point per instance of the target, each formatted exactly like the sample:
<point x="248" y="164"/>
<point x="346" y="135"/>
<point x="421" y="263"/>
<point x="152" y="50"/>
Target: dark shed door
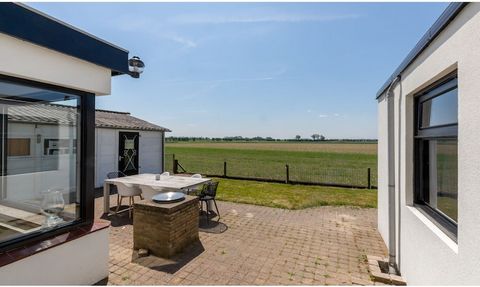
<point x="128" y="152"/>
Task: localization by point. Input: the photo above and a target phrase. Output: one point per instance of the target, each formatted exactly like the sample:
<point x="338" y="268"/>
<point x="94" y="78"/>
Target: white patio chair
<point x="130" y="191"/>
<point x="165" y="174"/>
<point x="149" y="191"/>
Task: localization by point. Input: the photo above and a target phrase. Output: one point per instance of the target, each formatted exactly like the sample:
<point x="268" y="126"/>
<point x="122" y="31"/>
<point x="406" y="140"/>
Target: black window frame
<point x="87" y="164"/>
<point x="444" y="131"/>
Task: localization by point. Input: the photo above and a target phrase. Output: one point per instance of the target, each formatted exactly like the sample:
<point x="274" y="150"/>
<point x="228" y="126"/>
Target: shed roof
<point x="60" y="114"/>
<point x="447" y="16"/>
<point x="123" y="120"/>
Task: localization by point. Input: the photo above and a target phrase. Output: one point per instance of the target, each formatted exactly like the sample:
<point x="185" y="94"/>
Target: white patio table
<point x="168" y="183"/>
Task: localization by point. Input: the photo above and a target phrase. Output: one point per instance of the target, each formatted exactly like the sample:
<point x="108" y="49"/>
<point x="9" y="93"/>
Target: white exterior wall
<point x="83" y="261"/>
<point x="29" y="61"/>
<point x="427" y="255"/>
<point x="106" y="152"/>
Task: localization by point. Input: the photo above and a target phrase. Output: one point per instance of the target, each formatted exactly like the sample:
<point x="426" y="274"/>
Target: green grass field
<point x="292" y="196"/>
<point x="339" y="163"/>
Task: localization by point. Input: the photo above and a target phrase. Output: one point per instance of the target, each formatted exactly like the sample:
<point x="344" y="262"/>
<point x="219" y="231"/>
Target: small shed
<point x="122" y="142"/>
<point x="127" y="144"/>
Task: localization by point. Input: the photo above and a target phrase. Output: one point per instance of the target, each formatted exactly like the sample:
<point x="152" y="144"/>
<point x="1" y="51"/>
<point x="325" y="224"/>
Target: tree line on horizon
<point x="297" y="138"/>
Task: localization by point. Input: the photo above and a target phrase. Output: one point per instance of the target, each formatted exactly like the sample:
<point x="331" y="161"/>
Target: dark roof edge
<point x="112" y="112"/>
<point x="69" y="25"/>
<point x="25" y="23"/>
<point x="115" y="127"/>
<point x="447" y="16"/>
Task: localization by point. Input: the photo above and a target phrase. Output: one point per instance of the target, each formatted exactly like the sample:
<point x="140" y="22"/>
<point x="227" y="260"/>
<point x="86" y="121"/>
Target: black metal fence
<point x="293" y="173"/>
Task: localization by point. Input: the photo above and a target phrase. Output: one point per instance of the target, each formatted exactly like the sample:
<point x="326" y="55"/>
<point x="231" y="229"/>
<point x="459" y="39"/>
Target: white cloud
<point x="322" y="116"/>
<point x="182" y="40"/>
<point x="153" y="28"/>
<point x="274" y="18"/>
<point x="336" y="115"/>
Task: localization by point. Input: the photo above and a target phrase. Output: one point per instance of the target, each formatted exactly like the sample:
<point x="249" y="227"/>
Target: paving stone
<point x="262" y="246"/>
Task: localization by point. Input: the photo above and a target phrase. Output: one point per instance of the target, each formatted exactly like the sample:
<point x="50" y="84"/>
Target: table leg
<point x="106" y="198"/>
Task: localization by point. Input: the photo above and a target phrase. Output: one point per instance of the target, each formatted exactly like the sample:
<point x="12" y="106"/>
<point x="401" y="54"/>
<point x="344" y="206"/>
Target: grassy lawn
<point x="336" y="147"/>
<point x="308" y="162"/>
<point x="292" y="196"/>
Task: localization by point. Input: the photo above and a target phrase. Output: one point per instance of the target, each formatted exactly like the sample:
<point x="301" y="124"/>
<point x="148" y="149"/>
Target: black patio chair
<point x="115" y="174"/>
<point x="208" y="193"/>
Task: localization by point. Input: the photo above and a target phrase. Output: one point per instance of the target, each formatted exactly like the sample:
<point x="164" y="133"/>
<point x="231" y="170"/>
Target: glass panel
<point x="443" y="174"/>
<point x="39" y="188"/>
<point x="440" y="110"/>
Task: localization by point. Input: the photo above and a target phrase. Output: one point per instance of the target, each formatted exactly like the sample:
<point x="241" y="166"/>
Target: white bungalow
<point x="429" y="154"/>
<point x="48" y="234"/>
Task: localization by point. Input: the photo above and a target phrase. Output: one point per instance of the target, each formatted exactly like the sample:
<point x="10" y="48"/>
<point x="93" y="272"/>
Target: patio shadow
<point x="210" y="225"/>
<point x="173" y="264"/>
<point x="119" y="219"/>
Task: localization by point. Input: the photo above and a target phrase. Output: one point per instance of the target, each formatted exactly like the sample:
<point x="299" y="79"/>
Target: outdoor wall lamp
<point x="135" y="66"/>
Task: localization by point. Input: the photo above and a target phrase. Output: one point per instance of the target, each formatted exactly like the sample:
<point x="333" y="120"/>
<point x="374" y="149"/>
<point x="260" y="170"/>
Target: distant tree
<point x="315" y="137"/>
<point x="322" y="138"/>
<point x="298" y="137"/>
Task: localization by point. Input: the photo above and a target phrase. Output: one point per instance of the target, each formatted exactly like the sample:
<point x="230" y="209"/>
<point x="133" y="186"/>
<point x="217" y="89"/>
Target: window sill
<point x="33" y="248"/>
<point x="427" y="221"/>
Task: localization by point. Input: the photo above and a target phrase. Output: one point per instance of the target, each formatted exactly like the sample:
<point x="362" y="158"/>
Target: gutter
<point x="447" y="16"/>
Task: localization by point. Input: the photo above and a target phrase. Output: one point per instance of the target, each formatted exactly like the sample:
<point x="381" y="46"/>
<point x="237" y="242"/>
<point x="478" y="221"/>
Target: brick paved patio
<point x="262" y="245"/>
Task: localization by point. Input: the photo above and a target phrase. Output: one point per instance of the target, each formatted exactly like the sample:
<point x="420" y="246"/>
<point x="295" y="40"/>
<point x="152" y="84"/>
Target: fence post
<point x="369" y="180"/>
<point x="287" y="173"/>
<point x="224" y="169"/>
<point x="175" y="166"/>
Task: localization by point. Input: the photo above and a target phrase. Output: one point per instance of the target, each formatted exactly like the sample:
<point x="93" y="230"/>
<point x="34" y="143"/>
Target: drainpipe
<point x="162" y="163"/>
<point x="391" y="177"/>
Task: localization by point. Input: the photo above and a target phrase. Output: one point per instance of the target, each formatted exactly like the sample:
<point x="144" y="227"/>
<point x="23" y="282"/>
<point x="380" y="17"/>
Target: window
<point x="441" y="110"/>
<point x="436" y="173"/>
<point x="42" y="177"/>
<point x="18" y="147"/>
<point x="57" y="146"/>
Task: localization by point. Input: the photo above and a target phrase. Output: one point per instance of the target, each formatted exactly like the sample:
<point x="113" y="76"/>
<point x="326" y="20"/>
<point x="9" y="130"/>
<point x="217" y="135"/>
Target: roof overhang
<point x="28" y="24"/>
<point x="447" y="16"/>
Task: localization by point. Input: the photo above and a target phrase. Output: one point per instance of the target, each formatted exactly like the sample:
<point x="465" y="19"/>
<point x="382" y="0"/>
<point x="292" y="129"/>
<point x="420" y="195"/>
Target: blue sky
<point x="255" y="69"/>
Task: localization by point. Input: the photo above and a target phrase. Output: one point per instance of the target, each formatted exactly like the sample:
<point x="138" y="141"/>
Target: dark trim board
<point x="22" y="22"/>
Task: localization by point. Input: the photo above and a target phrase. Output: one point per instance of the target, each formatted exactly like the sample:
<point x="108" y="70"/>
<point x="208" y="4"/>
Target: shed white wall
<point x="427" y="255"/>
<point x="57" y="171"/>
<point x="106" y="152"/>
